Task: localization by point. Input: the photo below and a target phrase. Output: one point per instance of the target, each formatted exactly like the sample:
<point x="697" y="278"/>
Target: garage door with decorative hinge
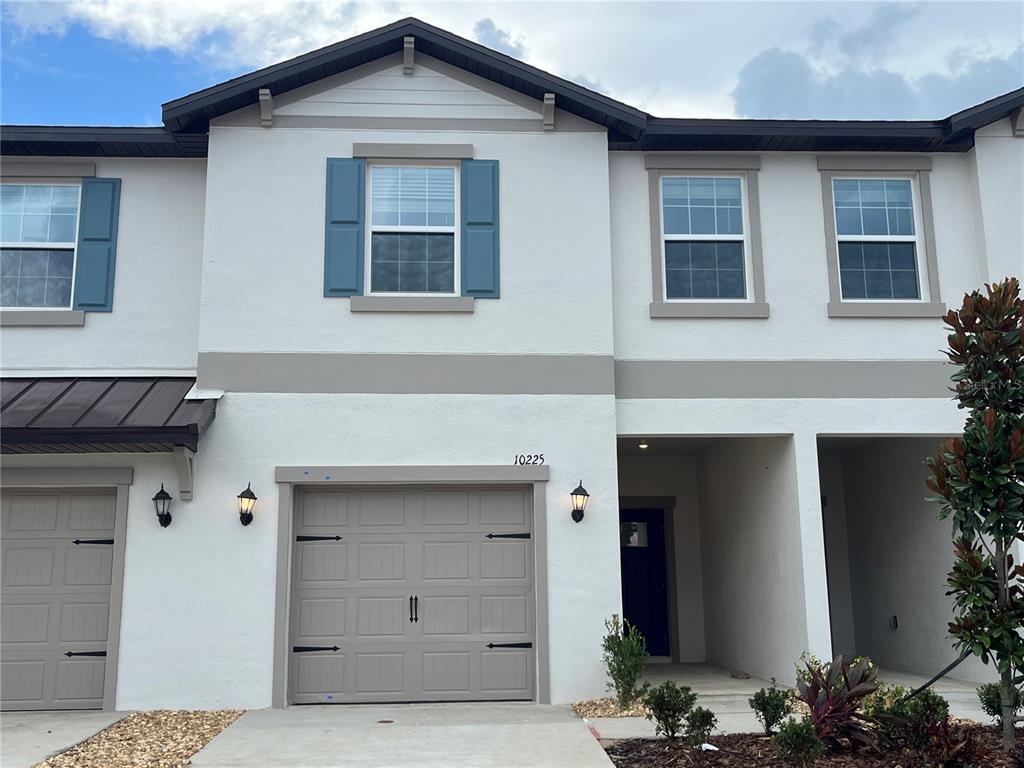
<point x="412" y="594"/>
<point x="58" y="551"/>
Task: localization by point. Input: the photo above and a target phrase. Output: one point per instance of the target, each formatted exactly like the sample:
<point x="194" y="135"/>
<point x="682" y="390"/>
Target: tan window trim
<point x="413" y="151"/>
<point x="918" y="168"/>
<point x="41" y="317"/>
<point x="457" y="304"/>
<point x="672" y="165"/>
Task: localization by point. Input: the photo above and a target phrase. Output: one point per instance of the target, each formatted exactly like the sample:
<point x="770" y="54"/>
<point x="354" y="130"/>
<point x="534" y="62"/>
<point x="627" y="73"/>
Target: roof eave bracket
<point x="549" y="111"/>
<point x="184" y="462"/>
<point x="266" y="108"/>
<point x="408" y="54"/>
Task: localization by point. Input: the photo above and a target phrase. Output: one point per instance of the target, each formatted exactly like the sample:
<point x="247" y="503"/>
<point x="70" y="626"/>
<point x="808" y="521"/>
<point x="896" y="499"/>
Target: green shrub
<point x="833" y="693"/>
<point x="771" y="706"/>
<point x="903" y="721"/>
<point x="625" y="655"/>
<point x="699" y="725"/>
<point x="797" y="744"/>
<point x="670" y="706"/>
<point x="991" y="698"/>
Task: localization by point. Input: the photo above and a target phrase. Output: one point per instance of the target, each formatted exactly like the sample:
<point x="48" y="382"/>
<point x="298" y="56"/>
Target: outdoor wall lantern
<point x="246" y="501"/>
<point x="579" y="502"/>
<point x="162" y="502"/>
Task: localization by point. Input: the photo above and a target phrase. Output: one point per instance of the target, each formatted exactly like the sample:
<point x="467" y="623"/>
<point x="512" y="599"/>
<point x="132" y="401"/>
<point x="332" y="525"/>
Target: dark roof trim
<point x="108" y="440"/>
<point x="96" y="141"/>
<point x="193" y="113"/>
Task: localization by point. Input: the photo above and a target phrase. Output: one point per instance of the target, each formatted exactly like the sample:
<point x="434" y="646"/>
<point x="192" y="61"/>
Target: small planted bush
<point x="905" y="721"/>
<point x="625" y="655"/>
<point x="991" y="700"/>
<point x="797" y="744"/>
<point x="670" y="706"/>
<point x="951" y="746"/>
<point x="771" y="706"/>
<point x="700" y="723"/>
<point x="834" y="693"/>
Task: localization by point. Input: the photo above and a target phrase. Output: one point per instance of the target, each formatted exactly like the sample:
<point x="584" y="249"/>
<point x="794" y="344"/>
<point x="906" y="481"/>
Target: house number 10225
<point x="529" y="458"/>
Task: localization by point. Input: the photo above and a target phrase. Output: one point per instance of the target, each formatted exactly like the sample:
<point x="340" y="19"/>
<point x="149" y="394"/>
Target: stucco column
<point x="812" y="545"/>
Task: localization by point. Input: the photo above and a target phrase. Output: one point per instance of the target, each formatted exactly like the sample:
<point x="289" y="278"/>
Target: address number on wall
<point x="525" y="459"/>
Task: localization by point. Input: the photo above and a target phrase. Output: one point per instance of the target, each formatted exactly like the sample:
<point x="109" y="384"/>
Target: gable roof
<point x="187" y="119"/>
<point x="192" y="113"/>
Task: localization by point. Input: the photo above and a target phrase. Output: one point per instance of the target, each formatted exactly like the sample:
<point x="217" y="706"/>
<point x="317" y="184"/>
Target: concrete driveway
<point x="29" y="737"/>
<point x="406" y="736"/>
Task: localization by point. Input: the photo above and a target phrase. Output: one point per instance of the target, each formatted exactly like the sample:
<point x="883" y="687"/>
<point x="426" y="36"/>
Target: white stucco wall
<point x="754" y="612"/>
<point x="796" y="280"/>
<point x="198" y="621"/>
<point x="155" y="321"/>
<point x="900" y="554"/>
<point x="675" y="476"/>
<point x="264" y="248"/>
<point x="998" y="161"/>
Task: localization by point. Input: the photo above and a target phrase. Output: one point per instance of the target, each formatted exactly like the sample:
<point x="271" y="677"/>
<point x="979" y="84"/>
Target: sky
<point x="107" y="62"/>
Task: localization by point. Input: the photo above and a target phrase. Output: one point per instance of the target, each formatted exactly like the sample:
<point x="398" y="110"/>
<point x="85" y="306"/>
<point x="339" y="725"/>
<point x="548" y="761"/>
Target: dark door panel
<point x="645" y="575"/>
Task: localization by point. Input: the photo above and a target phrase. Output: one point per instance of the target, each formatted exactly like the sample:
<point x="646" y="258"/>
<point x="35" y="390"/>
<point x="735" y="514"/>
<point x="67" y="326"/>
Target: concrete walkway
<point x="406" y="736"/>
<point x="27" y="738"/>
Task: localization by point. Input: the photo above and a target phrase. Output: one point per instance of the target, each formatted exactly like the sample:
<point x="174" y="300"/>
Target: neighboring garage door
<point x="57" y="562"/>
<point x="412" y="594"/>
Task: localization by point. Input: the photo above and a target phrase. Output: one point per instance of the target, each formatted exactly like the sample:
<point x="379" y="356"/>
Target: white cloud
<point x="672" y="59"/>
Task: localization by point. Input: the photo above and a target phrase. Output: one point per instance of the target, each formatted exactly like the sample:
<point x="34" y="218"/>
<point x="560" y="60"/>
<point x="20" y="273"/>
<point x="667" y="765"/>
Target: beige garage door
<point x="412" y="594"/>
<point x="57" y="562"/>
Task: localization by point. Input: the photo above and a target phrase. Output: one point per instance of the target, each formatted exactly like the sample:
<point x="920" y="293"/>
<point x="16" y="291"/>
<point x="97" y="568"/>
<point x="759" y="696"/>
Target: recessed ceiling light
<point x="643" y="445"/>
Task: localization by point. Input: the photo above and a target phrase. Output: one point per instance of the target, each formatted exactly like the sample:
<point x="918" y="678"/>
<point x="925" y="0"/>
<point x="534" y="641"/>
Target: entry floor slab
<point x="27" y="738"/>
<point x="478" y="735"/>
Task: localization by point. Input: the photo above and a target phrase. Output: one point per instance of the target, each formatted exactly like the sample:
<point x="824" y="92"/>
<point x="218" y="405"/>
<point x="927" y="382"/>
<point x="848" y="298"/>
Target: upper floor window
<point x="38" y="234"/>
<point x="413" y="243"/>
<point x="705" y="245"/>
<point x="877" y="234"/>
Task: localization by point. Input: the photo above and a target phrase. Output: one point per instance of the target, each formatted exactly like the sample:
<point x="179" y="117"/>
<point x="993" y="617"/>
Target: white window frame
<point x="48" y="246"/>
<point x="748" y="279"/>
<point x="371" y="228"/>
<point x="920" y="248"/>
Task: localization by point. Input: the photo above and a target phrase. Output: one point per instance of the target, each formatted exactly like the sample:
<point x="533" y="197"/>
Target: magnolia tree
<point x="979" y="479"/>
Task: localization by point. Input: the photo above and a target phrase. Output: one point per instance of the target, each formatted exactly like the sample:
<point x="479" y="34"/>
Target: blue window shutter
<point x="343" y="239"/>
<point x="480" y="272"/>
<point x="97" y="245"/>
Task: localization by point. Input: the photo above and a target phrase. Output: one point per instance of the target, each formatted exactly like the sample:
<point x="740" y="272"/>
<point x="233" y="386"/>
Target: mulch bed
<point x="748" y="750"/>
<point x="158" y="739"/>
<point x="608" y="707"/>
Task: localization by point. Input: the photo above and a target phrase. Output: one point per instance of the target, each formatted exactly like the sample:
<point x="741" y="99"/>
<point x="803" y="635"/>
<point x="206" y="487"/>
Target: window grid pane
<point x="876" y="270"/>
<point x="413" y="197"/>
<point x="704" y="270"/>
<point x="35" y="213"/>
<point x="412" y="263"/>
<point x="879" y="207"/>
<point x="702" y="205"/>
<point x="35" y="278"/>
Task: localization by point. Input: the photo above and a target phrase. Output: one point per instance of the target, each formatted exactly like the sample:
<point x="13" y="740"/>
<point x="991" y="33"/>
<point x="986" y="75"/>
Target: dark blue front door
<point x="644" y="575"/>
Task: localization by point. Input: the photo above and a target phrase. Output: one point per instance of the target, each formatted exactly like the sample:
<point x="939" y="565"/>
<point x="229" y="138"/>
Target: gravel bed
<point x="608" y="707"/>
<point x="162" y="738"/>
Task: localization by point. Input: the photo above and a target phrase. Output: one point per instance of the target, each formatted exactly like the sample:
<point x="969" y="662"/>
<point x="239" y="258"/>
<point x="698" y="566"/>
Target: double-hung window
<point x="878" y="245"/>
<point x="38" y="236"/>
<point x="704" y="238"/>
<point x="413" y="242"/>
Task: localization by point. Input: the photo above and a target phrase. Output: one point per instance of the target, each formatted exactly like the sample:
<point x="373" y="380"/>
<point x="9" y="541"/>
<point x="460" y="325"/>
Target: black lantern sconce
<point x="246" y="501"/>
<point x="579" y="502"/>
<point x="162" y="502"/>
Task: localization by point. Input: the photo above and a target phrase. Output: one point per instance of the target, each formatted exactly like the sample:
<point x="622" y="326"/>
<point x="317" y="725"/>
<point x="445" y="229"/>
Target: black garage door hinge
<point x="76" y="542"/>
<point x="508" y="535"/>
<point x="85" y="653"/>
<point x="510" y="645"/>
<point x="318" y="538"/>
<point x="311" y="648"/>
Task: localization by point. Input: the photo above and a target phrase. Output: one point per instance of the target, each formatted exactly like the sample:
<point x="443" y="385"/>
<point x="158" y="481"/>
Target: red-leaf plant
<point x="834" y="693"/>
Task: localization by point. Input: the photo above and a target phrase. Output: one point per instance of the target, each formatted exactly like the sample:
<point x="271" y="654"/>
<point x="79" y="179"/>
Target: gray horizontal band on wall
<point x="37" y="317"/>
<point x="411" y="303"/>
<point x="928" y="309"/>
<point x="309" y="372"/>
<point x="647" y="379"/>
<point x="695" y="309"/>
<point x="691" y="162"/>
<point x="874" y="163"/>
<point x="48" y="170"/>
<point x="414" y="151"/>
<point x="475" y="473"/>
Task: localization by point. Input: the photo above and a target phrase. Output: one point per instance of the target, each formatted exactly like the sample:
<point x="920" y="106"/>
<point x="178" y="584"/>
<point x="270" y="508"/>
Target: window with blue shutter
<point x="97" y="245"/>
<point x="480" y="237"/>
<point x="343" y="238"/>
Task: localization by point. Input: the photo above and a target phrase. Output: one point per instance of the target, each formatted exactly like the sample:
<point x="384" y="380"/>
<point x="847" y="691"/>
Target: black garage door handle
<point x="85" y="653"/>
<point x="311" y="648"/>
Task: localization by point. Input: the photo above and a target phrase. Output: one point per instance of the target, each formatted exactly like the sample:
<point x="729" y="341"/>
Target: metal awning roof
<point x="100" y="415"/>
